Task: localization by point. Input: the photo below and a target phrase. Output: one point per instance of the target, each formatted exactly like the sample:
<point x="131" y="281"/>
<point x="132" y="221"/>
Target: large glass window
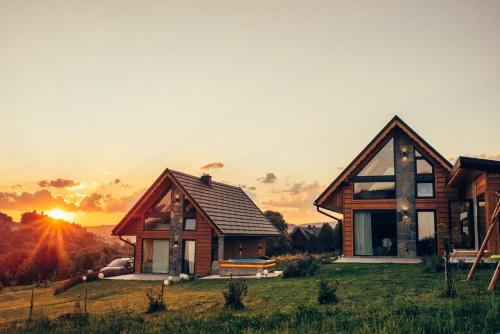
<point x="164" y="205"/>
<point x="377" y="180"/>
<point x="374" y="190"/>
<point x="426" y="227"/>
<point x="375" y="233"/>
<point x="382" y="163"/>
<point x="155" y="253"/>
<point x="424" y="176"/>
<point x="157" y="224"/>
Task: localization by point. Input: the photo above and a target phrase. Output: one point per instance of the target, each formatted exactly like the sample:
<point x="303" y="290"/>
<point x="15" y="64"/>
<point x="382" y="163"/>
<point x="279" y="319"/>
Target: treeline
<point x="327" y="239"/>
<point x="41" y="248"/>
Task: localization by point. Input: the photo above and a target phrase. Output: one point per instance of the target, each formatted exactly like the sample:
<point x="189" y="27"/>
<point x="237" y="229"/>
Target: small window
<point x="189" y="224"/>
<point x="374" y="190"/>
<point x="423" y="167"/>
<point x="425" y="189"/>
<point x="424" y="176"/>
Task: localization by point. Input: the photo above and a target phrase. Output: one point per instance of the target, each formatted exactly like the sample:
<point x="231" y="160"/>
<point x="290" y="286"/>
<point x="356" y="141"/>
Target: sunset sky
<point x="97" y="98"/>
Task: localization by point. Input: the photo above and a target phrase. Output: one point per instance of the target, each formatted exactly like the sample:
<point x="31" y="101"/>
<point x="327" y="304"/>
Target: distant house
<point x="302" y="233"/>
<point x="399" y="191"/>
<point x="183" y="223"/>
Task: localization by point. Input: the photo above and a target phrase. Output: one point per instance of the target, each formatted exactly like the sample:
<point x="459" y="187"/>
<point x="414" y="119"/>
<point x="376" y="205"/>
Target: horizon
<point x="97" y="99"/>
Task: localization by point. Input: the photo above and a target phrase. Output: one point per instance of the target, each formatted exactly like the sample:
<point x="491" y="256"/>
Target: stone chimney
<point x="206" y="179"/>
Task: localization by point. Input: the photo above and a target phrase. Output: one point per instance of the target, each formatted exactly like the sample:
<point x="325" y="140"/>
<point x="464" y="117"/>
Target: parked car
<point x="124" y="264"/>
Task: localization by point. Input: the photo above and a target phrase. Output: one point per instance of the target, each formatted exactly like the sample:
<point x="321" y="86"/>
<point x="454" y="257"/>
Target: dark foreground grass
<point x="372" y="299"/>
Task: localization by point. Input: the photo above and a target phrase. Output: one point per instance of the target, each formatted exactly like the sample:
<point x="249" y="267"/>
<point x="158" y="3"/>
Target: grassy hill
<point x="373" y="298"/>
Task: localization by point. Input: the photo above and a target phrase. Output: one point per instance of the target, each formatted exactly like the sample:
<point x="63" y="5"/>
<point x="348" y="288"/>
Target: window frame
<point x="184" y="219"/>
<point x="435" y="228"/>
<point x="377" y="178"/>
<point x="424" y="177"/>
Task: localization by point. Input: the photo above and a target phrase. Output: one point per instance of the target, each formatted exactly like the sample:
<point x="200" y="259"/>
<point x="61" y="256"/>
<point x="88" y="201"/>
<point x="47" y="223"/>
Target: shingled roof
<point x="227" y="207"/>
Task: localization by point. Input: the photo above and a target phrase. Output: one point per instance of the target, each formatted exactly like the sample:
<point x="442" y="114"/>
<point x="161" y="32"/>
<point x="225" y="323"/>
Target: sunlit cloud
<point x="212" y="165"/>
<point x="58" y="183"/>
<point x="39" y="200"/>
<point x="269" y="178"/>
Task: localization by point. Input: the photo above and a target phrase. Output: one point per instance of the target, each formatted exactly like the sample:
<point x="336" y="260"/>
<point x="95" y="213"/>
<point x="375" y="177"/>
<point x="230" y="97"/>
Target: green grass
<point x="372" y="298"/>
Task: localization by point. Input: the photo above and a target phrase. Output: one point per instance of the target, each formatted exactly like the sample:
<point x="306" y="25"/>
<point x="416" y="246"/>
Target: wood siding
<point x="202" y="236"/>
<point x="249" y="247"/>
<point x="440" y="204"/>
<point x="492" y="186"/>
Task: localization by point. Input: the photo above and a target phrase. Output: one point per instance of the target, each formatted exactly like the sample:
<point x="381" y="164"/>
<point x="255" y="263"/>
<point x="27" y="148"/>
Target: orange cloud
<point x="213" y="165"/>
<point x="40" y="200"/>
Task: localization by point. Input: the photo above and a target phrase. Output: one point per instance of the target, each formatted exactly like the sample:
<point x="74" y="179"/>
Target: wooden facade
<point x="338" y="197"/>
<point x="224" y="215"/>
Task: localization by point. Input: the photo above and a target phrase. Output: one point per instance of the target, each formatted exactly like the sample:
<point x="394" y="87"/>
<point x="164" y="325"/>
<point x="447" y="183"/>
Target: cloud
<point x="40" y="200"/>
<point x="213" y="165"/>
<point x="244" y="186"/>
<point x="58" y="183"/>
<point x="116" y="181"/>
<point x="92" y="203"/>
<point x="124" y="203"/>
<point x="299" y="196"/>
<point x="269" y="178"/>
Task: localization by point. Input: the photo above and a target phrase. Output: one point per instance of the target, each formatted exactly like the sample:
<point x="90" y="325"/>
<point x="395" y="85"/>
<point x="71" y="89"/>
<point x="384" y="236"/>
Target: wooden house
<point x="184" y="223"/>
<point x="400" y="196"/>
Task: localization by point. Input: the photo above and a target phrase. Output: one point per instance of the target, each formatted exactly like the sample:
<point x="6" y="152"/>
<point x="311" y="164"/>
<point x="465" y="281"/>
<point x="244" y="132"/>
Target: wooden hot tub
<point x="245" y="267"/>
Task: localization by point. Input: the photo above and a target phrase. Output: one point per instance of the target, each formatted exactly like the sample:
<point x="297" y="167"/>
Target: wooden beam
<point x="494" y="279"/>
<point x="494" y="219"/>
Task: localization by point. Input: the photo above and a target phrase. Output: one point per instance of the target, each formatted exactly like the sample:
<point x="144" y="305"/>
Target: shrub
<point x="155" y="303"/>
<point x="433" y="264"/>
<point x="234" y="294"/>
<point x="327" y="293"/>
<point x="300" y="268"/>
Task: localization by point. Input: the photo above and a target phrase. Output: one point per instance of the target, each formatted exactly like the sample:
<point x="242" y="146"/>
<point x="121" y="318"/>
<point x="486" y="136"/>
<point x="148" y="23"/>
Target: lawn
<point x="372" y="298"/>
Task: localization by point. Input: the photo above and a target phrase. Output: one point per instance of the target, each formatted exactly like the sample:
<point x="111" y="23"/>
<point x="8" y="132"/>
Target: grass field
<point x="373" y="298"/>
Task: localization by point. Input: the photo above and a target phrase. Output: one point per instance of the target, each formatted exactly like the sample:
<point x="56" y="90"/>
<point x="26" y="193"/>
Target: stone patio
<point x="378" y="259"/>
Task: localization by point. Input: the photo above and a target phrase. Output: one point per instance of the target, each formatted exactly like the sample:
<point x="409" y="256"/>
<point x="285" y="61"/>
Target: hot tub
<point x="245" y="267"/>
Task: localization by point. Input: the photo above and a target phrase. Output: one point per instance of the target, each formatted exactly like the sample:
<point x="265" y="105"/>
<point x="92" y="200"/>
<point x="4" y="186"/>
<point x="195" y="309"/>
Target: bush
<point x="433" y="264"/>
<point x="69" y="283"/>
<point x="155" y="303"/>
<point x="327" y="293"/>
<point x="301" y="268"/>
<point x="234" y="294"/>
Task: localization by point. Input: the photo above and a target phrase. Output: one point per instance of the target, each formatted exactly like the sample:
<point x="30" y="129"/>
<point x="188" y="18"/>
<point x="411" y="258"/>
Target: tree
<point x="5" y="219"/>
<point x="278" y="245"/>
<point x="278" y="221"/>
<point x="326" y="238"/>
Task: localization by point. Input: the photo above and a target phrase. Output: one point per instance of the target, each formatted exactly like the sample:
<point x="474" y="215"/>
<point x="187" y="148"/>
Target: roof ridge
<point x="198" y="178"/>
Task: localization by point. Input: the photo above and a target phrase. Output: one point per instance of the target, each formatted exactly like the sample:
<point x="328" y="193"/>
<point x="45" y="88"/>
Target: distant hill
<point x="103" y="231"/>
<point x="40" y="247"/>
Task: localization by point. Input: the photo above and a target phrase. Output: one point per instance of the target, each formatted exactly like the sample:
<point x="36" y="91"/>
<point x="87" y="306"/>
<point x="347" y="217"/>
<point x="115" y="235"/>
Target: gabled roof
<point x="394" y="123"/>
<point x="227" y="207"/>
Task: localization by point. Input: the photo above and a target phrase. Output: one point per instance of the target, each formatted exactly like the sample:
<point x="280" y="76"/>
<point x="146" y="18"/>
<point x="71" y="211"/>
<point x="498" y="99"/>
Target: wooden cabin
<point x="399" y="196"/>
<point x="185" y="224"/>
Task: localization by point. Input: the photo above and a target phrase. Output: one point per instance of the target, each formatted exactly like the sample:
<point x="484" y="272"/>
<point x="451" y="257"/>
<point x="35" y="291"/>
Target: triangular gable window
<point x="377" y="179"/>
<point x="382" y="163"/>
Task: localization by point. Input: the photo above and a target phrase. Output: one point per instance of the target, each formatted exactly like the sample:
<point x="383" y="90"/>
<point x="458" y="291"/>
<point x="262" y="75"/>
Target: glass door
<point x="189" y="256"/>
<point x="462" y="225"/>
<point x="155" y="256"/>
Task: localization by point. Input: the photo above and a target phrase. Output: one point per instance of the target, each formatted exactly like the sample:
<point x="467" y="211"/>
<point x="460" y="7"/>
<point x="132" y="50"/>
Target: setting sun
<point x="60" y="214"/>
